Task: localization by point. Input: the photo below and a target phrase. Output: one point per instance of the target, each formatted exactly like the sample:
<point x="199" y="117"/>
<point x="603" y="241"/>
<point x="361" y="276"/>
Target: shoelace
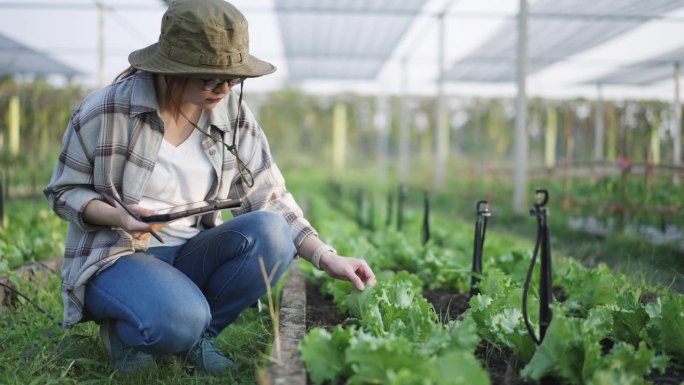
<point x="203" y="346"/>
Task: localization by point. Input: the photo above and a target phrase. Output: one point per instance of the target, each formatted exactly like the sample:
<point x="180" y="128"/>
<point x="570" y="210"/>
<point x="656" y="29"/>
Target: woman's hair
<point x="128" y="72"/>
<point x="175" y="86"/>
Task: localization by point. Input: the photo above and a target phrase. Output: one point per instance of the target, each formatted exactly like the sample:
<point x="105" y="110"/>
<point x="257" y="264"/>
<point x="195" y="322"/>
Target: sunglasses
<point x="211" y="84"/>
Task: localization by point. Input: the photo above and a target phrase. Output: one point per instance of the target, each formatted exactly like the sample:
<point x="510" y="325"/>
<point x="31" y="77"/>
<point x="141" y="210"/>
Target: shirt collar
<point x="219" y="116"/>
<point x="143" y="94"/>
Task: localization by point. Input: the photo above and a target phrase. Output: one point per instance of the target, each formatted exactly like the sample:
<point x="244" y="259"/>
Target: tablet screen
<point x="191" y="209"/>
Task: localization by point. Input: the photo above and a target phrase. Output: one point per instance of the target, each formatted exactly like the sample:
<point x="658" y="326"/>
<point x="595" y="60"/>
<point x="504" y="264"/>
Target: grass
<point x="31" y="231"/>
<point x="35" y="350"/>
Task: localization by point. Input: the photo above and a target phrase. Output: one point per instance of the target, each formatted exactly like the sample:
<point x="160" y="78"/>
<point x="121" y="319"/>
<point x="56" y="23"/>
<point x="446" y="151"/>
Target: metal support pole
<point x="102" y="11"/>
<point x="441" y="140"/>
<point x="404" y="125"/>
<point x="520" y="174"/>
<point x="677" y="126"/>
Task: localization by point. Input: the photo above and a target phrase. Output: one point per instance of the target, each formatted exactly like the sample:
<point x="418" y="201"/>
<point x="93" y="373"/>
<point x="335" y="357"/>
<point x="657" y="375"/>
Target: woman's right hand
<point x="137" y="229"/>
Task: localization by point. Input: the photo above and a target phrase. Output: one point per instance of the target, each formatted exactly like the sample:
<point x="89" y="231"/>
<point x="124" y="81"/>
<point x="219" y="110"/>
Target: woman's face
<point x="206" y="94"/>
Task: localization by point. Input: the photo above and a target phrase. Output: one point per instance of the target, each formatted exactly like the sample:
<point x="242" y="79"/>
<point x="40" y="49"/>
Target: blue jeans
<point x="166" y="298"/>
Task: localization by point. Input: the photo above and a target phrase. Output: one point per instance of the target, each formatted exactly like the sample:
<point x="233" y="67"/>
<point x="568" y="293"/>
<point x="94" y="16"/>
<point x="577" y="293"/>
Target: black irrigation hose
<point x="482" y="211"/>
<point x="29" y="300"/>
<point x="484" y="230"/>
<point x="46" y="267"/>
<point x="22" y="295"/>
<point x="528" y="278"/>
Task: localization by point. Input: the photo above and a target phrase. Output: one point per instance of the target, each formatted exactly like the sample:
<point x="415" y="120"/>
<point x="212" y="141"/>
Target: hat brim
<point x="150" y="59"/>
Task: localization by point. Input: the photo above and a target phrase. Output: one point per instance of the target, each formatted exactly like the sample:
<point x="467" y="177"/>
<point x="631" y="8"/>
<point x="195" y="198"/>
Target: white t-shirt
<point x="182" y="174"/>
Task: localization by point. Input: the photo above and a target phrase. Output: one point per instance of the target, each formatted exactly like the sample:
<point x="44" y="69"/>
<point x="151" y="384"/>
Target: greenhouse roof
<point x="556" y="30"/>
<point x="387" y="46"/>
<point x="645" y="72"/>
<point x="18" y="59"/>
<point x="342" y="40"/>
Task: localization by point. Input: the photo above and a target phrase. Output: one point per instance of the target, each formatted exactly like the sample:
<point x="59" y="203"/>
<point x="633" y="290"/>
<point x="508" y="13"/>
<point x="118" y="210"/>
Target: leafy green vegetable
<point x="668" y="325"/>
<point x="323" y="353"/>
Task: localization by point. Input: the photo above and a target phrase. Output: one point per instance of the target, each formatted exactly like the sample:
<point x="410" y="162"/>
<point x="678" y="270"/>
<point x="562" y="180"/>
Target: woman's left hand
<point x="354" y="270"/>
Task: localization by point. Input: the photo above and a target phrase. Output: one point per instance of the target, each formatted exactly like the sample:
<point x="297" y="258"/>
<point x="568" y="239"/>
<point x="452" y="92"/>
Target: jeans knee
<point x="177" y="329"/>
<point x="276" y="232"/>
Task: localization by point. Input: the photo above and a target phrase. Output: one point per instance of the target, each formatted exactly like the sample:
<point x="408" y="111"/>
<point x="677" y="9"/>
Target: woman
<point x="170" y="131"/>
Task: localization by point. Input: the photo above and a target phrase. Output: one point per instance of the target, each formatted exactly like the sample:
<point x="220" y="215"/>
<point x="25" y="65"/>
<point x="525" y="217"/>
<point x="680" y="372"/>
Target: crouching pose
<point x="169" y="131"/>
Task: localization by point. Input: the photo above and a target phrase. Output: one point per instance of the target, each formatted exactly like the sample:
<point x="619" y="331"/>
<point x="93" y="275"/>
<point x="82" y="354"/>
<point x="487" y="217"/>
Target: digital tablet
<point x="190" y="209"/>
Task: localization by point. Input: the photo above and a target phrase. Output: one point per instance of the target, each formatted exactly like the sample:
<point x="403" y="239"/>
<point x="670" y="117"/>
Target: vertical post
<point x="520" y="174"/>
<point x="371" y="212"/>
<point x="441" y="139"/>
<point x="543" y="246"/>
<point x="611" y="134"/>
<point x="569" y="138"/>
<point x="102" y="13"/>
<point x="339" y="137"/>
<point x="390" y="204"/>
<point x="2" y="201"/>
<point x="654" y="150"/>
<point x="426" y="218"/>
<point x="677" y="128"/>
<point x="14" y="124"/>
<point x="600" y="120"/>
<point x="653" y="155"/>
<point x="545" y="282"/>
<point x="482" y="212"/>
<point x="401" y="197"/>
<point x="8" y="183"/>
<point x="382" y="127"/>
<point x="550" y="139"/>
<point x="404" y="125"/>
<point x="359" y="208"/>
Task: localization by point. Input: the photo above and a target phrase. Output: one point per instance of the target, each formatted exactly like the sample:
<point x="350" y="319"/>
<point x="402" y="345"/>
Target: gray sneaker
<point x="126" y="358"/>
<point x="207" y="358"/>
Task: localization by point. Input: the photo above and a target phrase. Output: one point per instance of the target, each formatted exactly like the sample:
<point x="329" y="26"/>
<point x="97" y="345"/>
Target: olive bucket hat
<point x="201" y="39"/>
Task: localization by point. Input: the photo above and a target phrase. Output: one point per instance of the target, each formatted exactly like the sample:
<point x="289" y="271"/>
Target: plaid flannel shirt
<point x="110" y="147"/>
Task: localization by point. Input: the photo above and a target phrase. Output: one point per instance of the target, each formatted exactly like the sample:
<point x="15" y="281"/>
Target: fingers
<point x="140" y="235"/>
<point x="365" y="273"/>
<point x="356" y="281"/>
<point x="141" y="211"/>
<point x="362" y="274"/>
<point x="353" y="270"/>
<point x="158" y="226"/>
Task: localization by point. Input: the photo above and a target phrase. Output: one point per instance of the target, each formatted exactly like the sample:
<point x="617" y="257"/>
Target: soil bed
<point x="320" y="309"/>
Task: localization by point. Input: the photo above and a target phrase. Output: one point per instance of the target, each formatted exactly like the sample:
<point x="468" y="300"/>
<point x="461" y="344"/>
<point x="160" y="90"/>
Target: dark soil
<point x="320" y="309"/>
<point x="448" y="305"/>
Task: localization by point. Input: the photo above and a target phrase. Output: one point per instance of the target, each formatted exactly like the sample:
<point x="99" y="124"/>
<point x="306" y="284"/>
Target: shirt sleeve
<point x="269" y="191"/>
<point x="71" y="186"/>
